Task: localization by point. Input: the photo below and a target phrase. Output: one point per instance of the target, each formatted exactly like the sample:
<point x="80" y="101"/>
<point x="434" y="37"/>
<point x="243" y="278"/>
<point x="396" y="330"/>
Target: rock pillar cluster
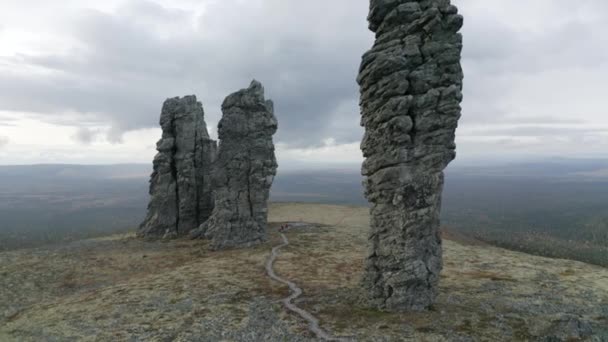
<point x="199" y="190"/>
<point x="410" y="83"/>
<point x="180" y="185"/>
<point x="244" y="170"/>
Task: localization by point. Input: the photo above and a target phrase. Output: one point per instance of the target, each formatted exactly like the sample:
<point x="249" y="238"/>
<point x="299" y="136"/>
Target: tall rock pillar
<point x="244" y="170"/>
<point x="180" y="186"/>
<point x="410" y="82"/>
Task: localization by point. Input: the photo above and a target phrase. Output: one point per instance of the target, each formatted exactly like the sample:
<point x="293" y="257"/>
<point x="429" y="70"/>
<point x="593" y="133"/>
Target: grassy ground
<point x="123" y="289"/>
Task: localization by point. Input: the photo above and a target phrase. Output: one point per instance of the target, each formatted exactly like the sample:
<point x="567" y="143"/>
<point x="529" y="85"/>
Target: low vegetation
<point x="114" y="288"/>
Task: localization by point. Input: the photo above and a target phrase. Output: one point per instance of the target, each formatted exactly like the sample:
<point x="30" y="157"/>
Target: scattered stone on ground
<point x="411" y="83"/>
<point x="243" y="172"/>
<point x="180" y="189"/>
<point x="125" y="289"/>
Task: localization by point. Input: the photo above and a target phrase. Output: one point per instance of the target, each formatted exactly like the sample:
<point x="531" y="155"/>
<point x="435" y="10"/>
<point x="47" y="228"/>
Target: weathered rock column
<point x="411" y="82"/>
<point x="244" y="170"/>
<point x="180" y="185"/>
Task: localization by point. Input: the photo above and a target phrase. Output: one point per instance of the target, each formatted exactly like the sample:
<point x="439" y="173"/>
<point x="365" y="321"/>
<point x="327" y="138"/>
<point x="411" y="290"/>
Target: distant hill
<point x="42" y="204"/>
<point x="555" y="208"/>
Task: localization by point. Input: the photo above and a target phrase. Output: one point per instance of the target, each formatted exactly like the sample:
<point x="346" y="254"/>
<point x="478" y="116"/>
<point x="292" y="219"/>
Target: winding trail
<point x="313" y="322"/>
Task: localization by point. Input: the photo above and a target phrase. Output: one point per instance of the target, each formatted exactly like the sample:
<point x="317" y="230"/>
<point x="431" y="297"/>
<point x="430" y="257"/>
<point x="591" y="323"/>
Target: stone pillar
<point x="244" y="171"/>
<point x="410" y="82"/>
<point x="180" y="186"/>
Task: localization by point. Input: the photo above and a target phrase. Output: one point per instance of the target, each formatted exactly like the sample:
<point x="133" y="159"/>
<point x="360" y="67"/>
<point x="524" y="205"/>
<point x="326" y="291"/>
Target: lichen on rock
<point x="410" y="83"/>
<point x="243" y="172"/>
<point x="180" y="186"/>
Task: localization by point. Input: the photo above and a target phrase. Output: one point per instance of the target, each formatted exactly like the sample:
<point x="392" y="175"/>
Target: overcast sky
<point x="83" y="81"/>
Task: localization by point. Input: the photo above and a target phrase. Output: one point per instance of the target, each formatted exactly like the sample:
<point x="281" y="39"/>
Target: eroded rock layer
<point x="244" y="170"/>
<point x="410" y="83"/>
<point x="180" y="185"/>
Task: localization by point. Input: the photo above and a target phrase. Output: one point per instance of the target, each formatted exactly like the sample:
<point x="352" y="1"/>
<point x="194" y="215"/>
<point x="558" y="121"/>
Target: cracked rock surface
<point x="410" y="83"/>
<point x="244" y="171"/>
<point x="180" y="186"/>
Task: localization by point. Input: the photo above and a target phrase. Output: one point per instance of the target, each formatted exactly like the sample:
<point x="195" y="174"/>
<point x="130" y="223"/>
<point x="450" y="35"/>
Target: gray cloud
<point x="536" y="120"/>
<point x="121" y="65"/>
<point x="7" y="121"/>
<point x="3" y="141"/>
<point x="539" y="131"/>
<point x="122" y="69"/>
<point x="554" y="46"/>
<point x="85" y="135"/>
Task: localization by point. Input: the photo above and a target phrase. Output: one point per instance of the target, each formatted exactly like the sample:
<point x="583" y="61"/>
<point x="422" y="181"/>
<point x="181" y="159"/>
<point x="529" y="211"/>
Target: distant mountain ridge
<point x="549" y="207"/>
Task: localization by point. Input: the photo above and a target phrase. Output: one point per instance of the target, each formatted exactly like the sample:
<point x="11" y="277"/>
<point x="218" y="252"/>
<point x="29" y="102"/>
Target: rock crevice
<point x="410" y="83"/>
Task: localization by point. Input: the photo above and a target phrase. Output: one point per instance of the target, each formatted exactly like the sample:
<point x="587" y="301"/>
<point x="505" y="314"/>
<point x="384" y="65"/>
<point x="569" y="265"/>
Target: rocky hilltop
<point x="121" y="288"/>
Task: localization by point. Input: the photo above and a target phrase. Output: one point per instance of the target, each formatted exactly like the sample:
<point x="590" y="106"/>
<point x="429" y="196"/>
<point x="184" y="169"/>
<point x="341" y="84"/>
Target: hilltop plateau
<point x="119" y="288"/>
